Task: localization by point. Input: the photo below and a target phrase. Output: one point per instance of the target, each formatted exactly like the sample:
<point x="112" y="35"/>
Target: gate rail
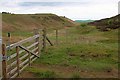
<point x="16" y="62"/>
<point x="13" y="65"/>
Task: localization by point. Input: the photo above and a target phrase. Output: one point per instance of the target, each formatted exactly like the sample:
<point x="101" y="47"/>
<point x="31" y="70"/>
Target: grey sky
<point x="74" y="9"/>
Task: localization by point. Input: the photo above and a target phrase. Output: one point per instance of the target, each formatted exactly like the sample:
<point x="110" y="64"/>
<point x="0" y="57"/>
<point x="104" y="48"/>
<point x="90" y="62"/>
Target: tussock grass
<point x="97" y="51"/>
<point x="84" y="48"/>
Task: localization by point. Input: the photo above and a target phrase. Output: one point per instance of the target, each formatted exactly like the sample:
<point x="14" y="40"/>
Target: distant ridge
<point x="29" y="22"/>
<point x="107" y="23"/>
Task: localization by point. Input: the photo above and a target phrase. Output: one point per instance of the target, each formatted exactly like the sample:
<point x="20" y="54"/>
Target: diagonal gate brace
<point x="49" y="41"/>
<point x="22" y="47"/>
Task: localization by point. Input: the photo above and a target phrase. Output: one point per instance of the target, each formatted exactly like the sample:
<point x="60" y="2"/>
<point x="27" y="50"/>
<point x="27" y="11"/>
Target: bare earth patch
<point x="66" y="72"/>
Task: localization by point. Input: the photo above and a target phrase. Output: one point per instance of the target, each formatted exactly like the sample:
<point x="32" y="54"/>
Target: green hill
<point x="29" y="22"/>
<point x="107" y="23"/>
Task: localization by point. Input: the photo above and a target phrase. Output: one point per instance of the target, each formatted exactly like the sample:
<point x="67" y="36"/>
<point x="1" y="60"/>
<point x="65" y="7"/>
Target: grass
<point x="97" y="51"/>
<point x="75" y="76"/>
<point x="84" y="48"/>
<point x="41" y="73"/>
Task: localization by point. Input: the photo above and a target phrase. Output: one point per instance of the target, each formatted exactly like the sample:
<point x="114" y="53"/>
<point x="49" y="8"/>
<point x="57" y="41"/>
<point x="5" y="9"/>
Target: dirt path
<point x="66" y="72"/>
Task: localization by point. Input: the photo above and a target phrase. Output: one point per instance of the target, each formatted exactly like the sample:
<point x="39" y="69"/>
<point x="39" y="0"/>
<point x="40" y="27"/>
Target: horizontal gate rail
<point x="14" y="55"/>
<point x="14" y="64"/>
<point x="22" y="56"/>
<point x="22" y="42"/>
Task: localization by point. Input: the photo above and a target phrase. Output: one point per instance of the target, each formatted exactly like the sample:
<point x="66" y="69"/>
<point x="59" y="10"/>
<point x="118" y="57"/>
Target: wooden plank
<point x="12" y="71"/>
<point x="15" y="75"/>
<point x="28" y="51"/>
<point x="22" y="42"/>
<point x="4" y="61"/>
<point x="23" y="68"/>
<point x="34" y="59"/>
<point x="24" y="62"/>
<point x="12" y="64"/>
<point x="23" y="56"/>
<point x="27" y="63"/>
<point x="14" y="55"/>
<point x="27" y="60"/>
<point x="17" y="56"/>
<point x="33" y="55"/>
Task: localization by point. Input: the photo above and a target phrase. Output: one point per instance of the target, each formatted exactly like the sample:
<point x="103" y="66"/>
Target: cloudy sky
<point x="74" y="9"/>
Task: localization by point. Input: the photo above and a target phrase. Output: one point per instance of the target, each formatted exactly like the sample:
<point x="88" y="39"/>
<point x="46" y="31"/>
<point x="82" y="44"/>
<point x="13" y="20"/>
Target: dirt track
<point x="67" y="71"/>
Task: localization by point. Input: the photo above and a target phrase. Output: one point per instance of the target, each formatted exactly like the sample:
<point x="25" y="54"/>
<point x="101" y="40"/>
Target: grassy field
<point x="81" y="52"/>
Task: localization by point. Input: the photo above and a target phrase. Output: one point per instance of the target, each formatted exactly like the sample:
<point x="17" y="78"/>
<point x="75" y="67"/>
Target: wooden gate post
<point x="0" y="61"/>
<point x="29" y="55"/>
<point x="4" y="61"/>
<point x="56" y="36"/>
<point x="18" y="63"/>
<point x="44" y="39"/>
<point x="37" y="40"/>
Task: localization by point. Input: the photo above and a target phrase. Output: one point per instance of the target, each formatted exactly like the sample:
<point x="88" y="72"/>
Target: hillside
<point x="29" y="22"/>
<point x="107" y="23"/>
<point x="81" y="52"/>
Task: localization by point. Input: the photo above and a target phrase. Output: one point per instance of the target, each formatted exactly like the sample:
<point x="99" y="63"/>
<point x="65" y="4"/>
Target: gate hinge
<point x="4" y="58"/>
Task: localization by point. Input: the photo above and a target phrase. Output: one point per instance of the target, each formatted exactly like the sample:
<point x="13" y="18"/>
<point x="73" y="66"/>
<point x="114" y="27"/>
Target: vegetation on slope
<point x="108" y="23"/>
<point x="29" y="22"/>
<point x="82" y="52"/>
<point x="23" y="25"/>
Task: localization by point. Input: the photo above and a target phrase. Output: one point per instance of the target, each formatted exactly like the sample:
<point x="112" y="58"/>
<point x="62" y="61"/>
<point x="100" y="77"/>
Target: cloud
<point x="52" y="3"/>
<point x="74" y="9"/>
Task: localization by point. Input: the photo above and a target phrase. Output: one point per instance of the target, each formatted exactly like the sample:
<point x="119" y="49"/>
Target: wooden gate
<point x="14" y="63"/>
<point x="16" y="57"/>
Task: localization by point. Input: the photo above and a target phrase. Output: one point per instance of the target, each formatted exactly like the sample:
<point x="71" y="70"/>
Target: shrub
<point x="47" y="74"/>
<point x="83" y="25"/>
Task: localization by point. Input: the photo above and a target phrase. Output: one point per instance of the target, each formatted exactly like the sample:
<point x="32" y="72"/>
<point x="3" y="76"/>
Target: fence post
<point x="29" y="54"/>
<point x="9" y="39"/>
<point x="66" y="35"/>
<point x="18" y="63"/>
<point x="56" y="36"/>
<point x="4" y="61"/>
<point x="37" y="40"/>
<point x="44" y="39"/>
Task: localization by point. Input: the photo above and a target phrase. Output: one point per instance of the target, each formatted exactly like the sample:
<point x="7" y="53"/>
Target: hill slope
<point x="12" y="22"/>
<point x="108" y="23"/>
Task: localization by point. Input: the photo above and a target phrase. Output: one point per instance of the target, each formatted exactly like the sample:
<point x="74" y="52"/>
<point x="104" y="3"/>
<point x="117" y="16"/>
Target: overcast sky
<point x="73" y="9"/>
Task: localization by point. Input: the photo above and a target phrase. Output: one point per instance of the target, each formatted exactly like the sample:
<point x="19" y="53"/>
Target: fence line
<point x="23" y="56"/>
<point x="14" y="64"/>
